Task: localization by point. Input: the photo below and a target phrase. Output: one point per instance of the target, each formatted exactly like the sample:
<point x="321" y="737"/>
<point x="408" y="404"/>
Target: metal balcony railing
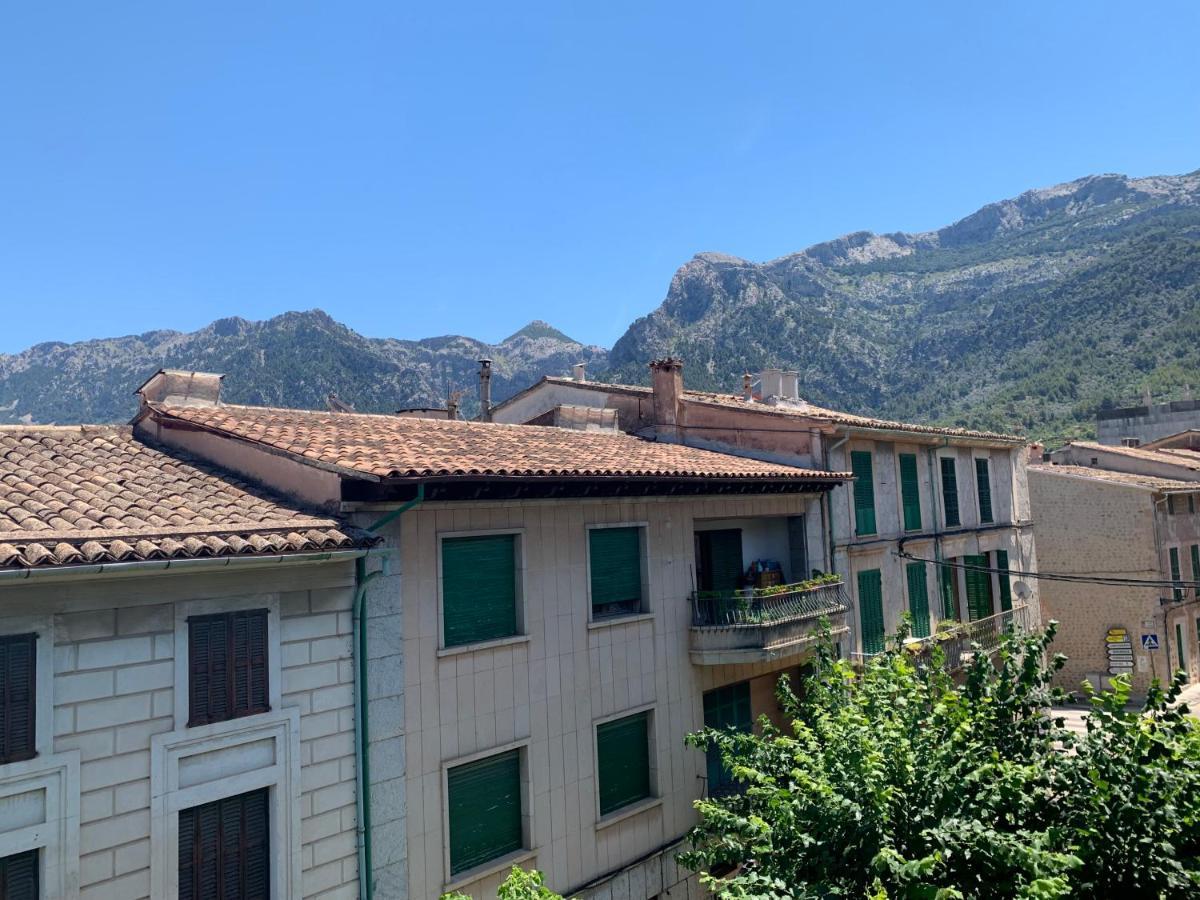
<point x="961" y="641"/>
<point x="769" y="606"/>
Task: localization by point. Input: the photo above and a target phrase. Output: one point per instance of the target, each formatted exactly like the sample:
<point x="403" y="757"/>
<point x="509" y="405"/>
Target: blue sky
<point x="422" y="169"/>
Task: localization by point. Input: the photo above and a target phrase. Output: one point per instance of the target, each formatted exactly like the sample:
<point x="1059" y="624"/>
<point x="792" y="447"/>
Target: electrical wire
<point x="1106" y="580"/>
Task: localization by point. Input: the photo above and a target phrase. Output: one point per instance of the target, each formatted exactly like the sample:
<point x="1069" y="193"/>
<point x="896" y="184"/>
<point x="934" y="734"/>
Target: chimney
<point x="748" y="387"/>
<point x="172" y="387"/>
<point x="771" y="383"/>
<point x="666" y="380"/>
<point x="578" y="371"/>
<point x="790" y="386"/>
<point x="452" y="403"/>
<point x="485" y="390"/>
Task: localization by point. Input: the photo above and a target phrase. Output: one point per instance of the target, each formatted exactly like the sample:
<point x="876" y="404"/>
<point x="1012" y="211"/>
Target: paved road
<point x="1075" y="717"/>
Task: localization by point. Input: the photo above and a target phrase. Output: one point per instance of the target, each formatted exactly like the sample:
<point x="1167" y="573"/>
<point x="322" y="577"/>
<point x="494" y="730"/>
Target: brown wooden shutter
<point x="224" y="849"/>
<point x="18" y="697"/>
<point x="19" y="876"/>
<point x="227" y="666"/>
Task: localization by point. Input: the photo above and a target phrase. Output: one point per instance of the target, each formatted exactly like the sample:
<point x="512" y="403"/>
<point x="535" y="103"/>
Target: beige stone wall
<point x="546" y="691"/>
<point x="114" y="693"/>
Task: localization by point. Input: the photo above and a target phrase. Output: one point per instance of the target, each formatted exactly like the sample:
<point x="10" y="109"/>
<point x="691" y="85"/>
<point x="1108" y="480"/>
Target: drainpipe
<point x="366" y="886"/>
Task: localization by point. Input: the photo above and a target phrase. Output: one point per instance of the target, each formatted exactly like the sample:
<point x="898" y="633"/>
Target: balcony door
<point x="719" y="560"/>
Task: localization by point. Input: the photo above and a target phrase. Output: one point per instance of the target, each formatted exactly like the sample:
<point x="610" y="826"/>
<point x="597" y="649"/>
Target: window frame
<point x="943" y="458"/>
<point x="30" y="638"/>
<point x="645" y="607"/>
<point x="919" y="506"/>
<point x="654" y="797"/>
<point x="227" y="616"/>
<point x="987" y="473"/>
<point x="1175" y="564"/>
<point x="859" y="529"/>
<point x="43" y="702"/>
<point x="519" y="562"/>
<point x="266" y="839"/>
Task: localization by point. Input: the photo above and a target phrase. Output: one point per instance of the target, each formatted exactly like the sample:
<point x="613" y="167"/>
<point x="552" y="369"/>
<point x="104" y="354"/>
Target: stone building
<point x="176" y="693"/>
<point x="563" y="606"/>
<point x="1137" y="425"/>
<point x="1121" y="513"/>
<point x="933" y="521"/>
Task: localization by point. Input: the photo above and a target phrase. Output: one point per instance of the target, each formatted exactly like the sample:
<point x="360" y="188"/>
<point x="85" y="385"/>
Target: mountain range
<point x="1029" y="315"/>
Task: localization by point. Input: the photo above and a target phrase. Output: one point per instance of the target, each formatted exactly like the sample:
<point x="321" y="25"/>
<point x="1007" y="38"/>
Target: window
<point x="1177" y="591"/>
<point x="948" y="588"/>
<point x="485" y="810"/>
<point x="1180" y="652"/>
<point x="797" y="547"/>
<point x="224" y="849"/>
<point x="719" y="560"/>
<point x="479" y="588"/>
<point x="1170" y="504"/>
<point x="18" y="704"/>
<point x="19" y="876"/>
<point x="227" y="666"/>
<point x="864" y="492"/>
<point x="1196" y="568"/>
<point x="910" y="492"/>
<point x="918" y="598"/>
<point x="870" y="610"/>
<point x="950" y="492"/>
<point x="623" y="761"/>
<point x="979" y="587"/>
<point x="726" y="707"/>
<point x="615" y="564"/>
<point x="1192" y="504"/>
<point x="983" y="483"/>
<point x="1005" y="580"/>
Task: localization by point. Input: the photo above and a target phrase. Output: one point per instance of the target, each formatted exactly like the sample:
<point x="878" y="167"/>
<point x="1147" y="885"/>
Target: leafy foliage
<point x="894" y="781"/>
<point x="520" y="885"/>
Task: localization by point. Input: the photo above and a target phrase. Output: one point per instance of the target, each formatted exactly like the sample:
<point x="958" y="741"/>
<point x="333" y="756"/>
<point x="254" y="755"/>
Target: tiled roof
<point x="398" y="447"/>
<point x="1130" y="478"/>
<point x="88" y="495"/>
<point x="805" y="410"/>
<point x="1188" y="459"/>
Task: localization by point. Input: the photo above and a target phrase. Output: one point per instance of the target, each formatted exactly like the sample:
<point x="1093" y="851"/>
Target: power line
<point x="1107" y="580"/>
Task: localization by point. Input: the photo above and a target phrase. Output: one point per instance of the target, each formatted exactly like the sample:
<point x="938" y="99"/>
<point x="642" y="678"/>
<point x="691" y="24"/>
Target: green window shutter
<point x="983" y="482"/>
<point x="1176" y="575"/>
<point x="910" y="492"/>
<point x="946" y="579"/>
<point x="979" y="588"/>
<point x="864" y="492"/>
<point x="725" y="707"/>
<point x="484" y="809"/>
<point x="1180" y="652"/>
<point x="1005" y="580"/>
<point x="918" y="598"/>
<point x="870" y="610"/>
<point x="721" y="559"/>
<point x="1196" y="568"/>
<point x="615" y="560"/>
<point x="623" y="761"/>
<point x="479" y="588"/>
<point x="950" y="492"/>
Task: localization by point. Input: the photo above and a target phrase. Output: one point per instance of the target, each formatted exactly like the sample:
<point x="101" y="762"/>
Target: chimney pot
<point x="578" y="371"/>
<point x="485" y="390"/>
<point x="772" y="383"/>
<point x="666" y="380"/>
<point x="748" y="387"/>
<point x="790" y="385"/>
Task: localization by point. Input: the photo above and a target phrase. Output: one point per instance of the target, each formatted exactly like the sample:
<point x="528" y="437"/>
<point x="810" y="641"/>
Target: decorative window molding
<point x="43" y="627"/>
<point x="39" y="809"/>
<point x="193" y="766"/>
<point x="210" y="606"/>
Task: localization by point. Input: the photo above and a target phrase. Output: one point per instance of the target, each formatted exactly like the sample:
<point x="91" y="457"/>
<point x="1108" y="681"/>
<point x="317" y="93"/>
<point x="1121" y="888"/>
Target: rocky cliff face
<point x="295" y="359"/>
<point x="1027" y="315"/>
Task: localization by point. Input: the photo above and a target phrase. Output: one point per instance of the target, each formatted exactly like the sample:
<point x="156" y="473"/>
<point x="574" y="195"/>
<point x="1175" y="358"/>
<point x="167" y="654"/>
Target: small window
<point x="910" y="492"/>
<point x="950" y="492"/>
<point x="615" y="565"/>
<point x="18" y="704"/>
<point x="19" y="876"/>
<point x="485" y="813"/>
<point x="864" y="492"/>
<point x="225" y="849"/>
<point x="623" y="761"/>
<point x="983" y="484"/>
<point x="227" y="666"/>
<point x="479" y="589"/>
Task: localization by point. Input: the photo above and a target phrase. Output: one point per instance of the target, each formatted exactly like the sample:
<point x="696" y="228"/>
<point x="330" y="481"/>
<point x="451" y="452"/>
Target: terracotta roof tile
<point x="89" y="495"/>
<point x="398" y="447"/>
<point x="1130" y="478"/>
<point x="1188" y="459"/>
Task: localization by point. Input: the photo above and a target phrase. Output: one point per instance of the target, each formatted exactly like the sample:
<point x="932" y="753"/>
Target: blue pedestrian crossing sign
<point x="1149" y="641"/>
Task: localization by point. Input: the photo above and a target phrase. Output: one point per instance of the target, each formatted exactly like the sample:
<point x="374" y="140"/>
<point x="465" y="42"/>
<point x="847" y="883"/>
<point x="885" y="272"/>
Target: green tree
<point x="895" y="781"/>
<point x="520" y="885"/>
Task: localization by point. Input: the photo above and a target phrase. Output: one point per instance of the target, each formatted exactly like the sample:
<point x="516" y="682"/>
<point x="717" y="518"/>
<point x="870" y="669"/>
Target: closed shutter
<point x="983" y="483"/>
<point x="484" y="800"/>
<point x="1005" y="580"/>
<point x="224" y="849"/>
<point x="726" y="707"/>
<point x="979" y="587"/>
<point x="721" y="559"/>
<point x="18" y="704"/>
<point x="1176" y="574"/>
<point x="19" y="876"/>
<point x="797" y="548"/>
<point x="946" y="579"/>
<point x="950" y="492"/>
<point x="1196" y="567"/>
<point x="623" y="761"/>
<point x="918" y="598"/>
<point x="479" y="588"/>
<point x="864" y="492"/>
<point x="615" y="560"/>
<point x="910" y="492"/>
<point x="870" y="610"/>
<point x="227" y="666"/>
<point x="1180" y="652"/>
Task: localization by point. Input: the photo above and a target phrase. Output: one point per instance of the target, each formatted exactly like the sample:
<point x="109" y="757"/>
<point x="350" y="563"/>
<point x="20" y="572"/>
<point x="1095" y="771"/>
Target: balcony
<point x="761" y="624"/>
<point x="962" y="641"/>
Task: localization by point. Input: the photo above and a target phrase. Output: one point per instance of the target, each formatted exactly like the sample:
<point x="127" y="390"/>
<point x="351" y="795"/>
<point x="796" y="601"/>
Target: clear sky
<point x="421" y="169"/>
